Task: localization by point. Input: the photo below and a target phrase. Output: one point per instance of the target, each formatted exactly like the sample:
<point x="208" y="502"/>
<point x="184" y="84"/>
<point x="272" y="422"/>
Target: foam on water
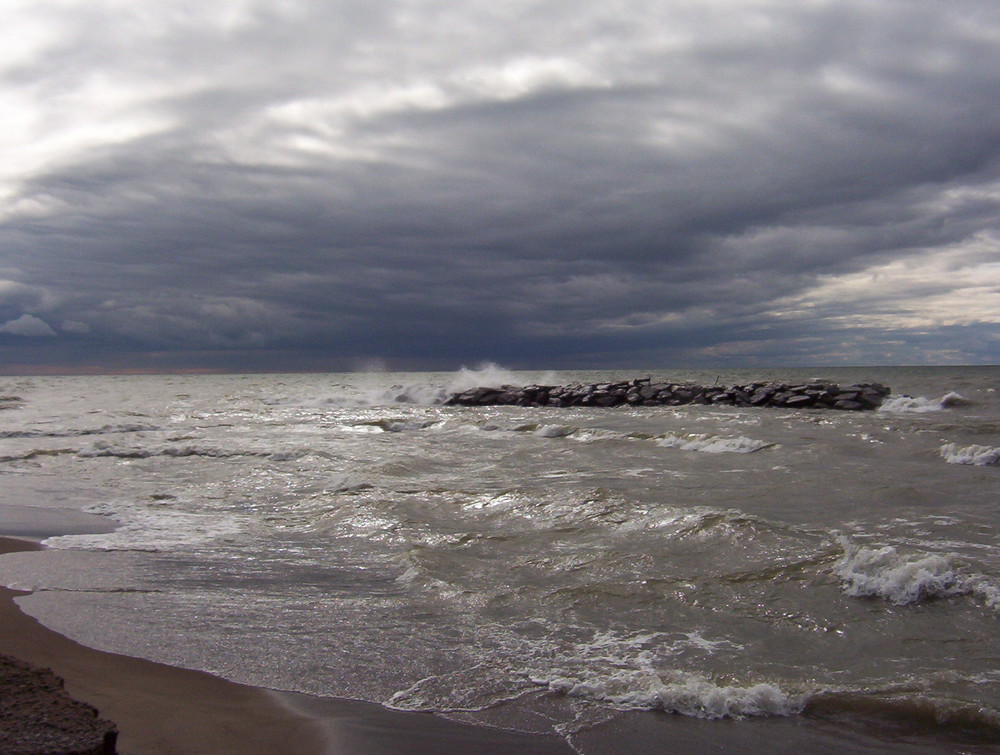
<point x="675" y="692"/>
<point x="149" y="528"/>
<point x="555" y="431"/>
<point x="920" y="404"/>
<point x="713" y="444"/>
<point x="909" y="579"/>
<point x="976" y="455"/>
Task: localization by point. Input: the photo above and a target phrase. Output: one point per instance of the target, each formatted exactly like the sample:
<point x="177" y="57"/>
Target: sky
<point x="271" y="185"/>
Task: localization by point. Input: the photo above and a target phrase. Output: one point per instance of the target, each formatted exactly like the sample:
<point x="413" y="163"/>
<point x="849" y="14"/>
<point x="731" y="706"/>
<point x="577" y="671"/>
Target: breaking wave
<point x="919" y="405"/>
<point x="149" y="529"/>
<point x="488" y="375"/>
<point x="980" y="456"/>
<point x="713" y="444"/>
<point x="680" y="692"/>
<point x="908" y="579"/>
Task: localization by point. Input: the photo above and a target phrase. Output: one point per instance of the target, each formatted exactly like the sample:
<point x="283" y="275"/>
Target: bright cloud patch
<point x="27" y="325"/>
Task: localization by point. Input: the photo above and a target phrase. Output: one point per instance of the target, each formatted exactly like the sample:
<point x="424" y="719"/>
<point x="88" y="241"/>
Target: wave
<point x="36" y="452"/>
<point x="713" y="444"/>
<point x="487" y="375"/>
<point x="979" y="456"/>
<point x="920" y="404"/>
<point x="103" y="449"/>
<point x="704" y="443"/>
<point x="681" y="692"/>
<point x="150" y="529"/>
<point x="555" y="431"/>
<point x="69" y="433"/>
<point x="909" y="579"/>
<point x="393" y="425"/>
<point x="912" y="707"/>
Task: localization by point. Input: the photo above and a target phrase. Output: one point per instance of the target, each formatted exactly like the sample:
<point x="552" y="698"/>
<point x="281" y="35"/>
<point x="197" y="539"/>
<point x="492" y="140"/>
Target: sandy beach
<point x="162" y="710"/>
<point x="157" y="708"/>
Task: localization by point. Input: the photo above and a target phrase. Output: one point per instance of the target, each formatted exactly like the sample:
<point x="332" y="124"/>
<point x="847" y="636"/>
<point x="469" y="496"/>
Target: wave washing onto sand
<point x="713" y="444"/>
<point x="679" y="692"/>
<point x="611" y="671"/>
<point x="908" y="579"/>
<point x="920" y="404"/>
<point x="149" y="529"/>
<point x="980" y="456"/>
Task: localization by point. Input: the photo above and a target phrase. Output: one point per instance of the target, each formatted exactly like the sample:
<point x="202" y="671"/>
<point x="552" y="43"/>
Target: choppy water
<point x="543" y="569"/>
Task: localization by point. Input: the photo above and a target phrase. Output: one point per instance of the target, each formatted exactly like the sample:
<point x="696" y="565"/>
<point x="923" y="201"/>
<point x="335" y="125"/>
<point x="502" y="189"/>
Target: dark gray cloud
<point x="304" y="184"/>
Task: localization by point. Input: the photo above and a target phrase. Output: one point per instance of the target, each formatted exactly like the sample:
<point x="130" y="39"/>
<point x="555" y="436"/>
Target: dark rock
<point x="648" y="391"/>
<point x="644" y="392"/>
<point x="38" y="717"/>
<point x="848" y="405"/>
<point x="800" y="401"/>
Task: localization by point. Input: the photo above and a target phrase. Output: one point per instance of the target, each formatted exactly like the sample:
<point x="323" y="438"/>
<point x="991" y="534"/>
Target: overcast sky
<point x="329" y="184"/>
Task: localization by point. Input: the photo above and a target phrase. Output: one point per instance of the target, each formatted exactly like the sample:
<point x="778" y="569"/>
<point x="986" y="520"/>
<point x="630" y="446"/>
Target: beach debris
<point x="645" y="392"/>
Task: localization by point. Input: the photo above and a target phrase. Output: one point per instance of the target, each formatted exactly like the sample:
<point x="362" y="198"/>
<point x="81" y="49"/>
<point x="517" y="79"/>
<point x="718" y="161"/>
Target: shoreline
<point x="166" y="710"/>
<point x="157" y="708"/>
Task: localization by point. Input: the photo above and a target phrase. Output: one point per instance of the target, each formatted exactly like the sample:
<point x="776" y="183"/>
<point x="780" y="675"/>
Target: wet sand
<point x="157" y="708"/>
<point x="163" y="710"/>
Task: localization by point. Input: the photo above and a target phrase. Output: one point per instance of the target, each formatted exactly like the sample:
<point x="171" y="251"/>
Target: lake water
<point x="541" y="569"/>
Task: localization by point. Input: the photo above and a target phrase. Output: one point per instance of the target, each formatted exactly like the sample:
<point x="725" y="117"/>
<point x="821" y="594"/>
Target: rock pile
<point x="644" y="392"/>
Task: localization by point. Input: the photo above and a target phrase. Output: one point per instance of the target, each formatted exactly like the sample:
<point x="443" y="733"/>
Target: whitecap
<point x="906" y="579"/>
<point x="920" y="404"/>
<point x="555" y="431"/>
<point x="149" y="529"/>
<point x="976" y="455"/>
<point x="713" y="444"/>
<point x="680" y="692"/>
<point x="426" y="393"/>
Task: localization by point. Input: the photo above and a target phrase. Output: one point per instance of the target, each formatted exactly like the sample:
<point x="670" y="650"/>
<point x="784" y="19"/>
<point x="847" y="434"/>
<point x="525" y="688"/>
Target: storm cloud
<point x="295" y="184"/>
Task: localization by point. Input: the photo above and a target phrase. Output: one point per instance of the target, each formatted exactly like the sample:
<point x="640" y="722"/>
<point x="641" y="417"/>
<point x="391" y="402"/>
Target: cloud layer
<point x="302" y="184"/>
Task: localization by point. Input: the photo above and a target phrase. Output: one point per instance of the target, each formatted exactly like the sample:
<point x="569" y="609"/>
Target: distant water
<point x="539" y="569"/>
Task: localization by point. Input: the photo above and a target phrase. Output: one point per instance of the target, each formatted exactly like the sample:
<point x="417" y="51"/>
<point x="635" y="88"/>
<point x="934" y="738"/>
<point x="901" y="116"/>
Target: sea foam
<point x="976" y="455"/>
<point x="679" y="692"/>
<point x="713" y="444"/>
<point x="909" y="579"/>
<point x="920" y="404"/>
<point x="144" y="528"/>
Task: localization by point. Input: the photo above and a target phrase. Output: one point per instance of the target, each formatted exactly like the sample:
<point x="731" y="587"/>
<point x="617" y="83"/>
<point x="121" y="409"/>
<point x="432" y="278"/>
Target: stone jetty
<point x="646" y="392"/>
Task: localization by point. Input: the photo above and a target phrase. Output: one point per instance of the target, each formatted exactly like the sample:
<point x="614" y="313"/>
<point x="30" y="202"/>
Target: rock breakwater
<point x="647" y="392"/>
